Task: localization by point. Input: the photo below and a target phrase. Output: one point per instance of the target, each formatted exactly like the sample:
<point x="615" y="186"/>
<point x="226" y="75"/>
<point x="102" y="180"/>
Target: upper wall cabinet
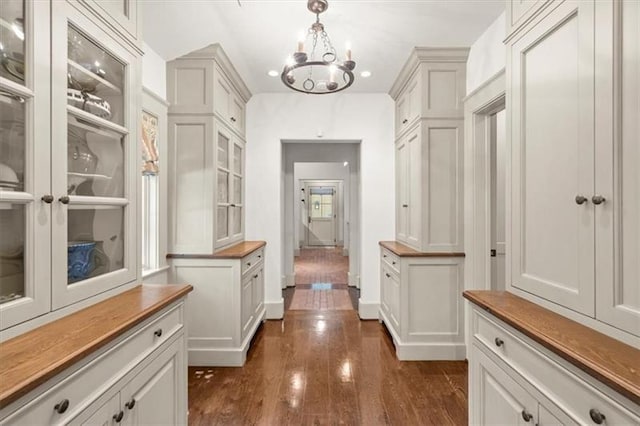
<point x="429" y="118"/>
<point x="206" y="137"/>
<point x="206" y="82"/>
<point x="69" y="102"/>
<point x="124" y="16"/>
<point x="432" y="84"/>
<point x="575" y="208"/>
<point x="518" y="12"/>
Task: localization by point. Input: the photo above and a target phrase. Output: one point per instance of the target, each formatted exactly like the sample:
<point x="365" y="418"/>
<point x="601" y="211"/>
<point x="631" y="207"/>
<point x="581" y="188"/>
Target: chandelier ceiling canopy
<point x="319" y="71"/>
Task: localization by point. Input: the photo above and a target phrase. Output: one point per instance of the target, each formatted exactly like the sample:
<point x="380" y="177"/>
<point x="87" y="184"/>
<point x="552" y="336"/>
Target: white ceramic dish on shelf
<point x="88" y="102"/>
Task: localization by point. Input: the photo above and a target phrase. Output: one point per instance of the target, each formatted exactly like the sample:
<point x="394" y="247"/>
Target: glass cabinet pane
<point x="95" y="161"/>
<point x="237" y="190"/>
<point x="223" y="151"/>
<point x="237" y="159"/>
<point x="223" y="222"/>
<point x="12" y="252"/>
<point x="237" y="220"/>
<point x="12" y="142"/>
<point x="95" y="242"/>
<point x="12" y="43"/>
<point x="223" y="187"/>
<point x="95" y="79"/>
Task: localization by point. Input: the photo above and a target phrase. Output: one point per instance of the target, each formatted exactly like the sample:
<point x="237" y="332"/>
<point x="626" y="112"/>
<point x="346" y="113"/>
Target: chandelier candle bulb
<point x="301" y="39"/>
<point x="348" y="51"/>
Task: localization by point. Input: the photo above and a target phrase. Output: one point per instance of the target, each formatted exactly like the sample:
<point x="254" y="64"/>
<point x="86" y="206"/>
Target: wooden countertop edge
<point x="405" y="251"/>
<point x="624" y="386"/>
<point x="45" y="373"/>
<point x="226" y="253"/>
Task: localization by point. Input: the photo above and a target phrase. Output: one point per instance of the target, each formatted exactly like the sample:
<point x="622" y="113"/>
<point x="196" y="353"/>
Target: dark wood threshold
<point x="612" y="362"/>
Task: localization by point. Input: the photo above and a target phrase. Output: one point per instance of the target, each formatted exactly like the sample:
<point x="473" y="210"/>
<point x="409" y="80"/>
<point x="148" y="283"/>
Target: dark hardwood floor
<point x="317" y="368"/>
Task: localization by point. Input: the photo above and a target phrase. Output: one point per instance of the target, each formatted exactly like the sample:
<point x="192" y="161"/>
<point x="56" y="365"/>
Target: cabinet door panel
<point x="618" y="219"/>
<point x="25" y="220"/>
<point x="414" y="183"/>
<point x="553" y="158"/>
<point x="103" y="416"/>
<point x="402" y="190"/>
<point x="258" y="291"/>
<point x="246" y="311"/>
<point x="498" y="399"/>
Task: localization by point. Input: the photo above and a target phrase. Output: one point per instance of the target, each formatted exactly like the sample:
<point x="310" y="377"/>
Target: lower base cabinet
<point x="226" y="308"/>
<point x="421" y="305"/>
<point x="514" y="381"/>
<point x="139" y="379"/>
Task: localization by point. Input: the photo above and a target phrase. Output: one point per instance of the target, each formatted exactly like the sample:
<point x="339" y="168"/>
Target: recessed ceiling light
<point x="273" y="73"/>
<point x="365" y="74"/>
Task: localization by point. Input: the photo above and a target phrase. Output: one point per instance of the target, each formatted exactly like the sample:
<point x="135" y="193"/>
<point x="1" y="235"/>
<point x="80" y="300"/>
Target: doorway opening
<point x="497" y="162"/>
<point x="321" y="213"/>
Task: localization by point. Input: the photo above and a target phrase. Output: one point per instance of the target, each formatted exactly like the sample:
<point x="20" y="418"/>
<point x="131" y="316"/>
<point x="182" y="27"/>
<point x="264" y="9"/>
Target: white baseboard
<point x="290" y="280"/>
<point x="213" y="356"/>
<point x="345" y="251"/>
<point x="353" y="280"/>
<point x="296" y="252"/>
<point x="275" y="310"/>
<point x="425" y="351"/>
<point x="368" y="310"/>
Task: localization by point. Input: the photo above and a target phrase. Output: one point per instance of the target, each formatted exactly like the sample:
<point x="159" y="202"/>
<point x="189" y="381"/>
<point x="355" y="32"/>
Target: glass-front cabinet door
<point x="24" y="161"/>
<point x="229" y="186"/>
<point x="93" y="172"/>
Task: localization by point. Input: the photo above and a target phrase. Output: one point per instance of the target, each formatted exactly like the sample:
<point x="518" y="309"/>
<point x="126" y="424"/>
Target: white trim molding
<point x="368" y="310"/>
<point x="275" y="309"/>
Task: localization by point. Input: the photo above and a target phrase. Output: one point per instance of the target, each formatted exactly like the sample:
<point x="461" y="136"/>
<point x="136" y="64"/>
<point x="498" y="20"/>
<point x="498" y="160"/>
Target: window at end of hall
<point x="150" y="192"/>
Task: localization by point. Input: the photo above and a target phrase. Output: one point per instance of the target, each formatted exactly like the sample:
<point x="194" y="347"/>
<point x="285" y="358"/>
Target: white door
<point x="498" y="208"/>
<point x="321" y="215"/>
<point x="552" y="157"/>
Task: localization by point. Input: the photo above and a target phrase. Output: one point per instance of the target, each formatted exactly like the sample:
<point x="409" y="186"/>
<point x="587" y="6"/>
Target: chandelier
<point x="318" y="72"/>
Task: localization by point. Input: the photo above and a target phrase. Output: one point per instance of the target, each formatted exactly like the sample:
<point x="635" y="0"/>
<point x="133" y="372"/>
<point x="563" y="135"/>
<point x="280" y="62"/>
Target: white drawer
<point x="84" y="386"/>
<point x="569" y="392"/>
<point x="252" y="260"/>
<point x="391" y="259"/>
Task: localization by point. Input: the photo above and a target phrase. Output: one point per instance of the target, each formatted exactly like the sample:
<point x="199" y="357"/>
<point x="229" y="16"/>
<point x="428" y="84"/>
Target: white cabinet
<point x="139" y="378"/>
<point x="574" y="181"/>
<point x="68" y="190"/>
<point x="429" y="140"/>
<point x="510" y="374"/>
<point x="124" y="15"/>
<point x="421" y="303"/>
<point x="206" y="138"/>
<point x="227" y="306"/>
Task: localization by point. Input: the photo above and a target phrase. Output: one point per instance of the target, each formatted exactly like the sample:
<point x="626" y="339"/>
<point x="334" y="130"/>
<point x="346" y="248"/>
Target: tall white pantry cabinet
<point x="573" y="231"/>
<point x="206" y="238"/>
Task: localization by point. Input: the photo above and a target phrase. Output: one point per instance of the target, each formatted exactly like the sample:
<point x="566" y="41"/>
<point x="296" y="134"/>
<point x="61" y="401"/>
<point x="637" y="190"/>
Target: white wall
<point x="154" y="72"/>
<point x="487" y="55"/>
<point x="273" y="117"/>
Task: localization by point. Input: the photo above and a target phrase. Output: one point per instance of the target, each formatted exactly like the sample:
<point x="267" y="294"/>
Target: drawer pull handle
<point x="527" y="417"/>
<point x="233" y="119"/>
<point x="118" y="417"/>
<point x="405" y="205"/>
<point x="393" y="262"/>
<point x="248" y="263"/>
<point x="130" y="404"/>
<point x="259" y="256"/>
<point x="404" y="121"/>
<point x="255" y="276"/>
<point x="384" y="255"/>
<point x="499" y="342"/>
<point x="597" y="417"/>
<point x="158" y="332"/>
<point x="61" y="406"/>
<point x="388" y="276"/>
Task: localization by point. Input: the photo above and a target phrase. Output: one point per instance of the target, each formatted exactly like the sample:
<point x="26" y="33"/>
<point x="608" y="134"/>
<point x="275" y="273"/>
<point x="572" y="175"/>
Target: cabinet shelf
<point x="76" y="70"/>
<point x="94" y="120"/>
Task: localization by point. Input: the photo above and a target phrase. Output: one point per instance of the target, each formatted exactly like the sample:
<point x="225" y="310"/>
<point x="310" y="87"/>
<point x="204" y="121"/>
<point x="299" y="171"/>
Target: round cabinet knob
<point x="581" y="199"/>
<point x="393" y="262"/>
<point x="598" y="199"/>
<point x="597" y="417"/>
<point x="47" y="198"/>
<point x="248" y="263"/>
<point x="388" y="276"/>
<point x="61" y="406"/>
<point x="64" y="199"/>
<point x="130" y="404"/>
<point x="158" y="332"/>
<point x="499" y="342"/>
<point x="527" y="417"/>
<point x="118" y="417"/>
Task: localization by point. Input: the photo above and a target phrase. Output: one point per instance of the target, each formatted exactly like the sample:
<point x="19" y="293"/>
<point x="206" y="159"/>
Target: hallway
<point x="322" y="365"/>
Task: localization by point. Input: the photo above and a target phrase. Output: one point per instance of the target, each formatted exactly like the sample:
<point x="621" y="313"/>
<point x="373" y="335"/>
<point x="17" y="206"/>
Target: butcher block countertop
<point x="237" y="251"/>
<point x="401" y="250"/>
<point x="610" y="361"/>
<point x="29" y="360"/>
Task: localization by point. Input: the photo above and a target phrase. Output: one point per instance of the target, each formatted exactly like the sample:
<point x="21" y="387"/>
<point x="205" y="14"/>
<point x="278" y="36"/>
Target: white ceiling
<point x="259" y="35"/>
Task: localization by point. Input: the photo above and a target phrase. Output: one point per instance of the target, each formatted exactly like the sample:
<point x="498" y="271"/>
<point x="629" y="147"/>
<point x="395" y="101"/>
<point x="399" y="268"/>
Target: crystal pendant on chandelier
<point x="319" y="71"/>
